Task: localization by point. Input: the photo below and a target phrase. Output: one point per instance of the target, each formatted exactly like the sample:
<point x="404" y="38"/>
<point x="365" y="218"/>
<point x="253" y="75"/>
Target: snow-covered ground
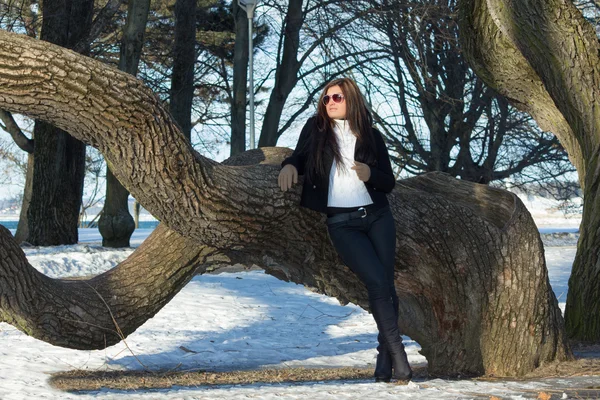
<point x="250" y="320"/>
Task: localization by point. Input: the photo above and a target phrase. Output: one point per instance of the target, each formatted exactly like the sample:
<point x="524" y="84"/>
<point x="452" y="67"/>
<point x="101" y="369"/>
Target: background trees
<point x="437" y="115"/>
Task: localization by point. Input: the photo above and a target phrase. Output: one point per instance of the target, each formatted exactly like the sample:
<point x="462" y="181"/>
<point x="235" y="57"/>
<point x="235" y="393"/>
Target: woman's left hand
<point x="362" y="170"/>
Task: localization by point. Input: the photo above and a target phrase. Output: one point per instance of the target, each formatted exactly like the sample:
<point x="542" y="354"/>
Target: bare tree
<point x="302" y="56"/>
<point x="437" y="115"/>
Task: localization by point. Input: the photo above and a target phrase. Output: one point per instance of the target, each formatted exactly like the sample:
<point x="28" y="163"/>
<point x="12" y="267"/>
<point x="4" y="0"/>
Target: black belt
<point x="360" y="213"/>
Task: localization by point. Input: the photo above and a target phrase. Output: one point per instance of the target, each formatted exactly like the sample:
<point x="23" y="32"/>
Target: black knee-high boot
<point x="383" y="365"/>
<point x="387" y="323"/>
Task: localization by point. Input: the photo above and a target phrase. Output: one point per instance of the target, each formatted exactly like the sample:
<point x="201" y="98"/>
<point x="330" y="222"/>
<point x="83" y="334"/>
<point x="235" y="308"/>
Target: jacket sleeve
<point x="382" y="177"/>
<point x="298" y="157"/>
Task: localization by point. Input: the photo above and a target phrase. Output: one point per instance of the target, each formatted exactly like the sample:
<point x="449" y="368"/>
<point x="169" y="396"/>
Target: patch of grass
<point x="85" y="380"/>
<point x="80" y="380"/>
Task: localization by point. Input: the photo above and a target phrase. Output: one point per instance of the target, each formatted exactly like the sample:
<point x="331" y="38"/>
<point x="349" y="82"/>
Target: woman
<point x="347" y="175"/>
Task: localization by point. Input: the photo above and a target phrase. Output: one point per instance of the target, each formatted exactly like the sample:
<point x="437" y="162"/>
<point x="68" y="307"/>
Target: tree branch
<point x="15" y="132"/>
<point x="103" y="17"/>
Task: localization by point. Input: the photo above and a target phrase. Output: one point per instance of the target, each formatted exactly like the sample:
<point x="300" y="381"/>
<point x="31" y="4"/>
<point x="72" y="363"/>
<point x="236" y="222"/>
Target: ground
<point x="248" y="320"/>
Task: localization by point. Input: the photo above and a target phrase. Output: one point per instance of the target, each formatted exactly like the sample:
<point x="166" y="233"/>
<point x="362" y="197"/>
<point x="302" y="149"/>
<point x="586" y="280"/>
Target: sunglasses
<point x="337" y="98"/>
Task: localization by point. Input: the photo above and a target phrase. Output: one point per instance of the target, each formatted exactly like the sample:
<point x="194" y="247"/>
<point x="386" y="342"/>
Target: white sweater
<point x="345" y="189"/>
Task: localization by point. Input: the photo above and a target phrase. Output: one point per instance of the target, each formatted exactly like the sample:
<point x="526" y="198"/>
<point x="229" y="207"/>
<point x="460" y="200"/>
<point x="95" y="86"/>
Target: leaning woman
<point x="348" y="173"/>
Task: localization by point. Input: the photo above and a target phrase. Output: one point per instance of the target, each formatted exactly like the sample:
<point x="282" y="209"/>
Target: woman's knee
<point x="379" y="290"/>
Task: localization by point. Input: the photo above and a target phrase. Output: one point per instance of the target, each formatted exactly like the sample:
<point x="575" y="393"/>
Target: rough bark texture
<point x="59" y="166"/>
<point x="496" y="60"/>
<point x="94" y="313"/>
<point x="544" y="57"/>
<point x="116" y="225"/>
<point x="470" y="268"/>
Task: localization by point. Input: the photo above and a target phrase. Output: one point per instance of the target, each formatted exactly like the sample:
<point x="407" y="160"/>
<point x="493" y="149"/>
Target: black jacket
<point x="315" y="194"/>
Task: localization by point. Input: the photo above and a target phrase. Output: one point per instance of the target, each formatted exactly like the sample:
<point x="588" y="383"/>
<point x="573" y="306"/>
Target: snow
<point x="247" y="320"/>
<point x="546" y="214"/>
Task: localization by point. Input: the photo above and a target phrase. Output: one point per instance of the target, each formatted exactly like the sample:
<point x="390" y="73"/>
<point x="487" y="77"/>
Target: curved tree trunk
<point x="116" y="225"/>
<point x="544" y="57"/>
<point x="470" y="267"/>
<point x="95" y="313"/>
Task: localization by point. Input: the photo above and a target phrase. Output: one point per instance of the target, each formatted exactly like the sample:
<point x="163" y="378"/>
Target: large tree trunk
<point x="240" y="80"/>
<point x="470" y="266"/>
<point x="544" y="57"/>
<point x="116" y="225"/>
<point x="59" y="159"/>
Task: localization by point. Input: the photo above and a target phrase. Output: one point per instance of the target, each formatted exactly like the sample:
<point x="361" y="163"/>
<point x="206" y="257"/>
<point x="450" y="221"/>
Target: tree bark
<point x="184" y="58"/>
<point x="22" y="232"/>
<point x="59" y="159"/>
<point x="99" y="312"/>
<point x="470" y="266"/>
<point x="240" y="80"/>
<point x="543" y="56"/>
<point x="116" y="225"/>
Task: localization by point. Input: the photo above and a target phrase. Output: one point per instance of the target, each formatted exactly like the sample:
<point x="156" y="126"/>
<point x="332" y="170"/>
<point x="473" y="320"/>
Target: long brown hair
<point x="360" y="121"/>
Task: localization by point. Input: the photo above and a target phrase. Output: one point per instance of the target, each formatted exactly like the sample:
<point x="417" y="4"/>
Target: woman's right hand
<point x="287" y="176"/>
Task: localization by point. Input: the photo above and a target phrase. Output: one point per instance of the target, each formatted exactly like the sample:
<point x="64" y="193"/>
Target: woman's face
<point x="336" y="110"/>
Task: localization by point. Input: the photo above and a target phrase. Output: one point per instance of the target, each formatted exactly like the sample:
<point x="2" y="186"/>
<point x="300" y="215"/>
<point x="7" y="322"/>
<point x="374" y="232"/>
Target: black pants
<point x="368" y="247"/>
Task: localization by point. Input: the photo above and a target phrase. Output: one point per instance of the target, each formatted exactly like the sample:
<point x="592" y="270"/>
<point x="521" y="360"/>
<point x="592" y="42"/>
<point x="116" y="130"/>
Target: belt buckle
<point x="362" y="208"/>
